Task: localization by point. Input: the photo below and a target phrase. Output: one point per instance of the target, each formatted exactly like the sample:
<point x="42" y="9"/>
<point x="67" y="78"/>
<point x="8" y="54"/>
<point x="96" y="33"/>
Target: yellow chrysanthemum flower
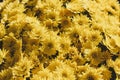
<point x="79" y="60"/>
<point x="44" y="74"/>
<point x="6" y="74"/>
<point x="64" y="44"/>
<point x="106" y="74"/>
<point x="63" y="73"/>
<point x="94" y="56"/>
<point x="82" y="69"/>
<point x="81" y="19"/>
<point x="12" y="8"/>
<point x="65" y="23"/>
<point x="54" y="64"/>
<point x="50" y="44"/>
<point x="95" y="37"/>
<point x="74" y="33"/>
<point x="75" y="6"/>
<point x="22" y="67"/>
<point x="111" y="44"/>
<point x="91" y="74"/>
<point x="116" y="39"/>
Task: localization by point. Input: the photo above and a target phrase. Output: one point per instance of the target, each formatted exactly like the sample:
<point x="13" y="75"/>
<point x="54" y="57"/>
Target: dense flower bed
<point x="59" y="40"/>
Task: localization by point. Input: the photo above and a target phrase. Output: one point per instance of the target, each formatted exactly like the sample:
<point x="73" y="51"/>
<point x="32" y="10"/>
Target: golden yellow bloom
<point x="34" y="57"/>
<point x="49" y="24"/>
<point x="106" y="74"/>
<point x="95" y="56"/>
<point x="65" y="23"/>
<point x="85" y="42"/>
<point x="37" y="68"/>
<point x="75" y="6"/>
<point x="63" y="73"/>
<point x="31" y="42"/>
<point x="16" y="24"/>
<point x="22" y="68"/>
<point x="111" y="44"/>
<point x="13" y="8"/>
<point x="53" y="15"/>
<point x="64" y="44"/>
<point x="52" y="4"/>
<point x="79" y="60"/>
<point x="50" y="44"/>
<point x="54" y="64"/>
<point x="95" y="37"/>
<point x="71" y="54"/>
<point x="43" y="75"/>
<point x="106" y="55"/>
<point x="81" y="19"/>
<point x="75" y="32"/>
<point x="6" y="74"/>
<point x="96" y="26"/>
<point x="82" y="69"/>
<point x="91" y="74"/>
<point x="116" y="39"/>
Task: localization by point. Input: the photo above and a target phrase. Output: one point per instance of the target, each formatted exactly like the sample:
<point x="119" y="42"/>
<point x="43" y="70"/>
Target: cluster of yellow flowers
<point x="59" y="40"/>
